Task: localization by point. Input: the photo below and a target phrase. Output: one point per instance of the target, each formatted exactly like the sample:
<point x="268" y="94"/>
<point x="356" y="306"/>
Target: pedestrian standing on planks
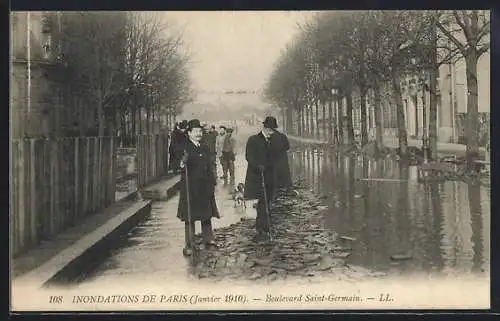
<point x="229" y="156"/>
<point x="197" y="187"/>
<point x="260" y="176"/>
<point x="209" y="139"/>
<point x="219" y="143"/>
<point x="280" y="146"/>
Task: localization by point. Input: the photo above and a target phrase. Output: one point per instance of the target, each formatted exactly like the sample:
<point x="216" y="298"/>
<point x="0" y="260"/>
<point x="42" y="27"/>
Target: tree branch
<point x="452" y="38"/>
<point x="462" y="24"/>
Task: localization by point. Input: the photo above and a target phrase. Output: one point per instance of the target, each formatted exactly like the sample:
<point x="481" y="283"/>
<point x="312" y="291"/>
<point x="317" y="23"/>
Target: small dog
<point x="238" y="196"/>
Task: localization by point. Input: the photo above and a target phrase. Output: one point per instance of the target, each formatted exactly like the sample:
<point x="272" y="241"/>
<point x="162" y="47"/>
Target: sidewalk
<point x="392" y="142"/>
<point x="77" y="244"/>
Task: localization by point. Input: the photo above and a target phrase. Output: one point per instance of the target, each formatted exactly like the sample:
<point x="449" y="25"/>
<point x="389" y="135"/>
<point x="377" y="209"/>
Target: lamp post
<point x="425" y="132"/>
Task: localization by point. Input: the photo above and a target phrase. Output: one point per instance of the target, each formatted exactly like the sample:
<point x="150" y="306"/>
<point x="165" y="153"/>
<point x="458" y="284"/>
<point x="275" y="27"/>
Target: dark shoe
<point x="187" y="251"/>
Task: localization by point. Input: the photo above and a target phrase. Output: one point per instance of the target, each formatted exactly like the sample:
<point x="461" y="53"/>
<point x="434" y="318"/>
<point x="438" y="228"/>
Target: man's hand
<point x="261" y="167"/>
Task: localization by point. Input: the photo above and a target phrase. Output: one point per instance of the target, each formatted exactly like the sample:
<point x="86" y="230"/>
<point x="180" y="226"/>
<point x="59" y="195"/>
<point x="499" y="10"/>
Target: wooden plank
<point x="27" y="192"/>
<point x="52" y="207"/>
<point x="57" y="194"/>
<point x="85" y="177"/>
<point x="22" y="197"/>
<point x="47" y="189"/>
<point x="91" y="177"/>
<point x="33" y="194"/>
<point x="62" y="184"/>
<point x="95" y="176"/>
<point x="69" y="181"/>
<point x="139" y="160"/>
<point x="112" y="165"/>
<point x="76" y="173"/>
<point x="101" y="177"/>
<point x="15" y="197"/>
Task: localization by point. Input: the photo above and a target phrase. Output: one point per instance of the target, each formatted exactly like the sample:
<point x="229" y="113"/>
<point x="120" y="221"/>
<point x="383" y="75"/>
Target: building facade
<point x="30" y="94"/>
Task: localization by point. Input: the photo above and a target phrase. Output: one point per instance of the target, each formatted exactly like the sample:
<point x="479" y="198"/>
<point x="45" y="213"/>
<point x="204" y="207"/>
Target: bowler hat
<point x="183" y="124"/>
<point x="193" y="123"/>
<point x="270" y="122"/>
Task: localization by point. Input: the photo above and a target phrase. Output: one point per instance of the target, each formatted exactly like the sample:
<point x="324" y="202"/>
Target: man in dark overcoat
<point x="209" y="139"/>
<point x="201" y="192"/>
<point x="261" y="165"/>
<point x="280" y="146"/>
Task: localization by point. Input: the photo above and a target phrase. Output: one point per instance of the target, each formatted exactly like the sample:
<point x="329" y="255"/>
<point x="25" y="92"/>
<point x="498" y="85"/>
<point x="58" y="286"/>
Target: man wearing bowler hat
<point x="200" y="188"/>
<point x="259" y="156"/>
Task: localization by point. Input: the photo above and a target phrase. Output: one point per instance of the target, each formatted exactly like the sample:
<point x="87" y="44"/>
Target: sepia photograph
<point x="249" y="160"/>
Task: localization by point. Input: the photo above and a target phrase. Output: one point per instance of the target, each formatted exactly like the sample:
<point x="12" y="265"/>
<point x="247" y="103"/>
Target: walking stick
<point x="188" y="198"/>
<point x="267" y="207"/>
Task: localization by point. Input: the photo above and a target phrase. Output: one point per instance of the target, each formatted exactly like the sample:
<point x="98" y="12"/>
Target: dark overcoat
<point x="202" y="183"/>
<point x="258" y="153"/>
<point x="209" y="139"/>
<point x="279" y="147"/>
<point x="176" y="148"/>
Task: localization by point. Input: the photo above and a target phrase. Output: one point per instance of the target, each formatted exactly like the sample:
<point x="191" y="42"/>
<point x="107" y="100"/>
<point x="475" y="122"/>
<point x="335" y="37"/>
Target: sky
<point x="235" y="50"/>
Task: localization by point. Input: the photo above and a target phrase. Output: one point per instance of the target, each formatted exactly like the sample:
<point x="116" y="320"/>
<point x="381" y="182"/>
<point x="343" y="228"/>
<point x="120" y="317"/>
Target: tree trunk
<point x="299" y="121"/>
<point x="364" y="130"/>
<point x="316" y="103"/>
<point x="472" y="152"/>
<point x="323" y="106"/>
<point x="307" y="123"/>
<point x="336" y="139"/>
<point x="417" y="122"/>
<point x="350" y="126"/>
<point x="433" y="99"/>
<point x="133" y="119"/>
<point x="402" y="135"/>
<point x="330" y="120"/>
<point x="311" y="121"/>
<point x="340" y="107"/>
<point x="379" y="140"/>
<point x="139" y="119"/>
<point x="148" y="121"/>
<point x="289" y="120"/>
<point x="100" y="117"/>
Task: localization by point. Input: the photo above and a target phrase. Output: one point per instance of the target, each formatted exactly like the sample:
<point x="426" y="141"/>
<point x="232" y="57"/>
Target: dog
<point x="238" y="196"/>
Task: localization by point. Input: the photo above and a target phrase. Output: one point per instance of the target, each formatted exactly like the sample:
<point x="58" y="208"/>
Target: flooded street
<point x="437" y="228"/>
<point x="395" y="224"/>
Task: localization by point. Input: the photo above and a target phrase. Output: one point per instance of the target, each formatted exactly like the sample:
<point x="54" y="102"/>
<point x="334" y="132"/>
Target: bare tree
<point x="469" y="32"/>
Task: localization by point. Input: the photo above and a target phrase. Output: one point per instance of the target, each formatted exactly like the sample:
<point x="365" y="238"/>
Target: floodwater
<point x="431" y="228"/>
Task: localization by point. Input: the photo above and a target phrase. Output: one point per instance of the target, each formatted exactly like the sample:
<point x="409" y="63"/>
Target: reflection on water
<point x="442" y="227"/>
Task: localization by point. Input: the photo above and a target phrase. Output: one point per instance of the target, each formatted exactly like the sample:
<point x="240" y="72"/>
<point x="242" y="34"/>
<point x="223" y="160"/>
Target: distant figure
<point x="203" y="207"/>
<point x="218" y="146"/>
<point x="280" y="146"/>
<point x="229" y="156"/>
<point x="261" y="166"/>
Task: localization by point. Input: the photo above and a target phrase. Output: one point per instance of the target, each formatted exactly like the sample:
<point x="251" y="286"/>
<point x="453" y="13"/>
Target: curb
<point x="67" y="264"/>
